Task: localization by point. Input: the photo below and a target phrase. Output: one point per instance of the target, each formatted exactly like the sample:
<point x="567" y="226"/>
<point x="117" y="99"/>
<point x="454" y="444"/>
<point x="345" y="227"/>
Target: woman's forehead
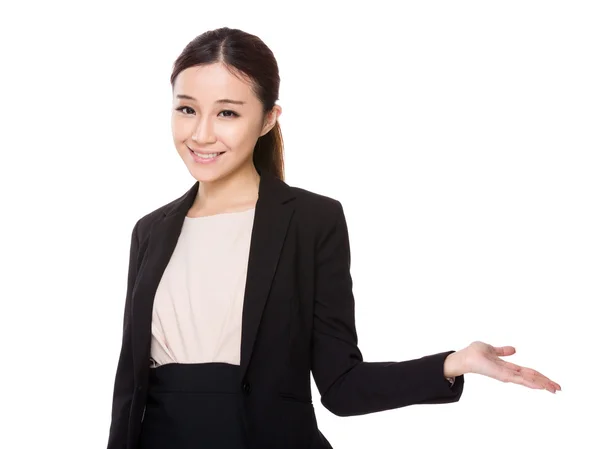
<point x="210" y="82"/>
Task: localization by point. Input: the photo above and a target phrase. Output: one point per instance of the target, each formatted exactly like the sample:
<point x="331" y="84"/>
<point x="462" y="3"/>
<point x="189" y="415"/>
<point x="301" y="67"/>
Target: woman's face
<point x="216" y="112"/>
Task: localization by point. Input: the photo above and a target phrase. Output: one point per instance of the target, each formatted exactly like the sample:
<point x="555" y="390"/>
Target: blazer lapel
<point x="162" y="240"/>
<point x="271" y="219"/>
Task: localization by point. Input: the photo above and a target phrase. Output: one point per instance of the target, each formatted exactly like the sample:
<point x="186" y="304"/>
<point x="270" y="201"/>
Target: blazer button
<point x="246" y="387"/>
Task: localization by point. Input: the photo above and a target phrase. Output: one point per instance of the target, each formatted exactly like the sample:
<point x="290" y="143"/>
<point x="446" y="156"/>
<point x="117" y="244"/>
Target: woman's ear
<point x="271" y="119"/>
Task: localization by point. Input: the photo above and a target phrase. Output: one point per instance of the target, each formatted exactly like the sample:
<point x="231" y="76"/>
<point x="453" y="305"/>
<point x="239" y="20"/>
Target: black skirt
<point x="193" y="406"/>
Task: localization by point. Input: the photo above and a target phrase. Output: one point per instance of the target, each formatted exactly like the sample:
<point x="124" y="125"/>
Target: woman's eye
<point x="233" y="114"/>
<point x="186" y="110"/>
<point x="185" y="107"/>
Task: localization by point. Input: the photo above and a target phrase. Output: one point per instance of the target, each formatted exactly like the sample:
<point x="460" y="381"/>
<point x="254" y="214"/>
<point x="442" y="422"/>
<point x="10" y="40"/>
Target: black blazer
<point x="298" y="317"/>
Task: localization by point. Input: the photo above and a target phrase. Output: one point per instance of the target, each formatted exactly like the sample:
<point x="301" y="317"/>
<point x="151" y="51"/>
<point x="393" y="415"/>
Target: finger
<point x="530" y="375"/>
<point x="507" y="375"/>
<point x="503" y="351"/>
<point x="528" y="372"/>
<point x="520" y="380"/>
<point x="537" y="384"/>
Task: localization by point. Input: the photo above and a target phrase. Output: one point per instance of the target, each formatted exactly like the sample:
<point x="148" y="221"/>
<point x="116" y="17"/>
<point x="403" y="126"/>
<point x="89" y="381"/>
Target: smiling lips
<point x="205" y="158"/>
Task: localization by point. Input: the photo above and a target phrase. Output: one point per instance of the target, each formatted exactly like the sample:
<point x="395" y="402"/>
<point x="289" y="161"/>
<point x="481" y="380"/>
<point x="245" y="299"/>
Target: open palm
<point x="482" y="358"/>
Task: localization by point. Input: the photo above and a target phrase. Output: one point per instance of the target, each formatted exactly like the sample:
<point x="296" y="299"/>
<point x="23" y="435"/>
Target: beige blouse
<point x="197" y="312"/>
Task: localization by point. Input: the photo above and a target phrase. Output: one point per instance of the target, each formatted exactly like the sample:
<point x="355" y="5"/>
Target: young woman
<point x="241" y="287"/>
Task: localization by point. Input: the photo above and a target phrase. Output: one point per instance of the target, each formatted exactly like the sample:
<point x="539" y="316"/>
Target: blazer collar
<point x="271" y="190"/>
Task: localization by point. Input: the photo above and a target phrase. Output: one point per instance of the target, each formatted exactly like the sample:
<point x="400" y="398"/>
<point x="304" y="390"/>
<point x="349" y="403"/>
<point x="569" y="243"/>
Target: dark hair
<point x="243" y="54"/>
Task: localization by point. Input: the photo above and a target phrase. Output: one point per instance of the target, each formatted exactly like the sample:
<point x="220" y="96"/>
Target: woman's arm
<point x="349" y="385"/>
<point x="123" y="386"/>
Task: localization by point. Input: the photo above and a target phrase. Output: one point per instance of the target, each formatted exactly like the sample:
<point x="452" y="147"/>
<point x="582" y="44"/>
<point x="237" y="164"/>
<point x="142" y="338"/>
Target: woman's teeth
<point x="206" y="156"/>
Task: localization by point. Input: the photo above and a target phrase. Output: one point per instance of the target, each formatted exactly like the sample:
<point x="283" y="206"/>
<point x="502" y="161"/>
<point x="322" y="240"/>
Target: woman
<point x="241" y="288"/>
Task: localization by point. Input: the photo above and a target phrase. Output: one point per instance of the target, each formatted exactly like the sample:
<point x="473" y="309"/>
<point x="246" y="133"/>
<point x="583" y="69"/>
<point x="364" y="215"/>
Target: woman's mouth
<point x="205" y="158"/>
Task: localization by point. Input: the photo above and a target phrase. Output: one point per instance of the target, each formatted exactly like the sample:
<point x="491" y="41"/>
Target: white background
<point x="461" y="138"/>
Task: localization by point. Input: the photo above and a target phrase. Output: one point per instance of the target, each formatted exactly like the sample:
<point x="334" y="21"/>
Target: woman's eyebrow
<point x="223" y="100"/>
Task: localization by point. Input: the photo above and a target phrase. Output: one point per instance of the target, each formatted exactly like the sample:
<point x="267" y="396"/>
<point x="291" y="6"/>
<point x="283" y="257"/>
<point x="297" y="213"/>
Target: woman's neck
<point x="236" y="192"/>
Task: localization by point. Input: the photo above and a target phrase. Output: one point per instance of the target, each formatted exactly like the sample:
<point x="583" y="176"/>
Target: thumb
<point x="503" y="351"/>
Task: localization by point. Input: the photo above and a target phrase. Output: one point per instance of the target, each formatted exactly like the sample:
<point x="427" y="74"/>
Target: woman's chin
<point x="207" y="174"/>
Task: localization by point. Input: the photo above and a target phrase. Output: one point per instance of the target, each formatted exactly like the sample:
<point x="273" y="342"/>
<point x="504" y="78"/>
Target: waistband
<point x="211" y="377"/>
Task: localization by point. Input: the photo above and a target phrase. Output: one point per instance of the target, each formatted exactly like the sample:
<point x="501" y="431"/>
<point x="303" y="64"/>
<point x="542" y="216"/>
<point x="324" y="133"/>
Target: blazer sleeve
<point x="123" y="384"/>
<point x="347" y="384"/>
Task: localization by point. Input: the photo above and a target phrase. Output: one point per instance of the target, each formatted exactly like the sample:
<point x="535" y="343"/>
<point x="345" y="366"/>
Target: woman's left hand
<point x="484" y="359"/>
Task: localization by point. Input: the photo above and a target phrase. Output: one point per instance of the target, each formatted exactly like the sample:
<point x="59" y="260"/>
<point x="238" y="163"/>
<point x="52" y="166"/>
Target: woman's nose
<point x="204" y="133"/>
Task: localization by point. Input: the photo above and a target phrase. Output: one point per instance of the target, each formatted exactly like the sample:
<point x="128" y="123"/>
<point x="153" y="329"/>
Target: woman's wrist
<point x="454" y="365"/>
